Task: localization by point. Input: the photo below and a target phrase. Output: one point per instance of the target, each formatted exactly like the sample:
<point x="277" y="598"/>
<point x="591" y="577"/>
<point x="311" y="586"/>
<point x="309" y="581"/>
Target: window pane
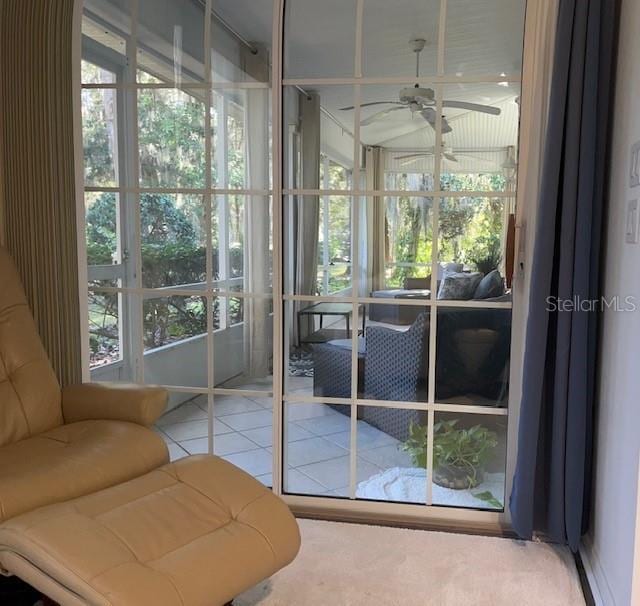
<point x="479" y="152"/>
<point x="93" y="74"/>
<point x="389" y="32"/>
<point x="472" y="177"/>
<point x="334" y="245"/>
<point x="184" y="426"/>
<point x="299" y="363"/>
<point x="388" y="469"/>
<point x="240" y="425"/>
<point x="412" y="174"/>
<point x="472" y="240"/>
<point x="318" y="347"/>
<point x="322" y="120"/>
<point x="173" y="240"/>
<point x="171" y="138"/>
<point x="318" y="250"/>
<point x="397" y="355"/>
<point x="407" y="229"/>
<point x="113" y="19"/>
<point x="171" y="39"/>
<point x="169" y="320"/>
<point x="473" y="353"/>
<point x="469" y="458"/>
<point x="239" y="161"/>
<point x="398" y="122"/>
<point x="175" y="329"/>
<point x="484" y="37"/>
<point x="338" y="176"/>
<point x="243" y="343"/>
<point x="242" y="243"/>
<point x="105" y="311"/>
<point x="231" y="59"/>
<point x="99" y="136"/>
<point x="102" y="231"/>
<point x="317" y="449"/>
<point x="319" y="38"/>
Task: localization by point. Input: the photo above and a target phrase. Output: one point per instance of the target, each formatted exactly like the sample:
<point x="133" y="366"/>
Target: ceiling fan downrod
<point x="417" y="46"/>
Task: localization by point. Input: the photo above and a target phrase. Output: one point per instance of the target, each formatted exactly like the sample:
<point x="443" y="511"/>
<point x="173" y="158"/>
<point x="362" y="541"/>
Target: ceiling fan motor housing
<point x="424" y="95"/>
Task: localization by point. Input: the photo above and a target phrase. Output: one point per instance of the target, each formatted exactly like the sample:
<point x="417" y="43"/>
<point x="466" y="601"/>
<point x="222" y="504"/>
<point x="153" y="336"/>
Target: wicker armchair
<point x="392" y="366"/>
<point x="332" y="368"/>
<point x="396" y="362"/>
<point x="396" y="369"/>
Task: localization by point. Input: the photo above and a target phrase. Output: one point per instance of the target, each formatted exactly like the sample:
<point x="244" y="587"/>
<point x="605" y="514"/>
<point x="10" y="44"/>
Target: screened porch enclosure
<point x="312" y="253"/>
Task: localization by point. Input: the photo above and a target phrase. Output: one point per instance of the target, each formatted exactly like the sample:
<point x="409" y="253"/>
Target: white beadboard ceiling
<point x="481" y="37"/>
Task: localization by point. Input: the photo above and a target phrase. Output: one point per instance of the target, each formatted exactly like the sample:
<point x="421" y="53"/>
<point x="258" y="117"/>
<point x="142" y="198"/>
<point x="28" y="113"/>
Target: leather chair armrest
<point x="113" y="401"/>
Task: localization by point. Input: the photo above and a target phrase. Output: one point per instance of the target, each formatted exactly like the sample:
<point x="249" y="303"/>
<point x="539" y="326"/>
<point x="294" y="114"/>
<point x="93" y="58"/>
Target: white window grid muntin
<point x="277" y="192"/>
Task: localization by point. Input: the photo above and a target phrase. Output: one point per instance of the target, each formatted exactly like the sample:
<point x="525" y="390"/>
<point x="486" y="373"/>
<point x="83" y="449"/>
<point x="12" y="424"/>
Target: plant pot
<point x="458" y="478"/>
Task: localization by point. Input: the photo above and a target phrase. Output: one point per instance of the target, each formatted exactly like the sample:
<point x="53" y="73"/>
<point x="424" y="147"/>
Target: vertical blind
<point x="38" y="189"/>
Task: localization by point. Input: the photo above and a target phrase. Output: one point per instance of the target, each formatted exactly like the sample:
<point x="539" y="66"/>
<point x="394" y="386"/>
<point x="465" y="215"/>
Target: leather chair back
<point x="29" y="390"/>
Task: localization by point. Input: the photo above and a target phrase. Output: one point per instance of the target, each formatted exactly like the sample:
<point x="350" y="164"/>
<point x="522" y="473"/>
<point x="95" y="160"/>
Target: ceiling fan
<point x="509" y="166"/>
<point x="406" y="159"/>
<point x="421" y="101"/>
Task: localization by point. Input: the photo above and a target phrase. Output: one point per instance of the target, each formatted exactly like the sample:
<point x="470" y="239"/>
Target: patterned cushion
<point x="491" y="285"/>
<point x="459" y="286"/>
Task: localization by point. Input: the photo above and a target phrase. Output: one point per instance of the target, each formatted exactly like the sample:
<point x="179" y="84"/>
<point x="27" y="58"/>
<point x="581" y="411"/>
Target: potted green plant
<point x="459" y="455"/>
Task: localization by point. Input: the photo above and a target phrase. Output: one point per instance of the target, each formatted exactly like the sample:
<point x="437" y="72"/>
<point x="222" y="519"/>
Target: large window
<point x="334" y="316"/>
<point x="177" y="158"/>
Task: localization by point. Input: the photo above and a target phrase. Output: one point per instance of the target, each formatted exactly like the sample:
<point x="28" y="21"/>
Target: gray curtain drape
<point x="38" y="174"/>
<point x="257" y="329"/>
<point x="307" y="209"/>
<point x="374" y="171"/>
<point x="551" y="488"/>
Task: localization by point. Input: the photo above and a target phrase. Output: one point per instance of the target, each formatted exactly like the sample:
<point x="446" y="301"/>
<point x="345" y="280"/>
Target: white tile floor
<point x="318" y="439"/>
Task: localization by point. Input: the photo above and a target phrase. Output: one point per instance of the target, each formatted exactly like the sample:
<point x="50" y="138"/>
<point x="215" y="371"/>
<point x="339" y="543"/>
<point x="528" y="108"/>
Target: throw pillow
<point x="492" y="285"/>
<point x="459" y="286"/>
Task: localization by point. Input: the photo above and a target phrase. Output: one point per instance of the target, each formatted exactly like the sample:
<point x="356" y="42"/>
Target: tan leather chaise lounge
<point x="91" y="512"/>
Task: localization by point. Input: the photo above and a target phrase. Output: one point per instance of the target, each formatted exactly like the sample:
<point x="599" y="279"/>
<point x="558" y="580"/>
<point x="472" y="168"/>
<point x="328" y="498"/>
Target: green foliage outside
<point x="470" y="228"/>
<point x="339" y="228"/>
<point x="172" y="154"/>
<point x="173" y="238"/>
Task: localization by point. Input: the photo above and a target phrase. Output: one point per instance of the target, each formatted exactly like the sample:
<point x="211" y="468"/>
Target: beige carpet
<point x="357" y="565"/>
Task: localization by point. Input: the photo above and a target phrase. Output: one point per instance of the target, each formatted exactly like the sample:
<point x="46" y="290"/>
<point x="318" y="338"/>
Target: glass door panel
<point x="179" y="221"/>
<point x="343" y="307"/>
<point x="427" y="153"/>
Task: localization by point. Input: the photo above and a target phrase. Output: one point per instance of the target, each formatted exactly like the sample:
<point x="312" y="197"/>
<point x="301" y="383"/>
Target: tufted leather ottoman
<point x="195" y="532"/>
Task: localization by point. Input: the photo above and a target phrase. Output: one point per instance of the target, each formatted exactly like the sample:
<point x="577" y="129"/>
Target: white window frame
<point x="428" y="513"/>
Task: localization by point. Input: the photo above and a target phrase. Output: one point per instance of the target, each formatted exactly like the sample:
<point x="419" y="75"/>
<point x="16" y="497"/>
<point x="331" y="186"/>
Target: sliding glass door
<point x="299" y="218"/>
<point x="396" y="384"/>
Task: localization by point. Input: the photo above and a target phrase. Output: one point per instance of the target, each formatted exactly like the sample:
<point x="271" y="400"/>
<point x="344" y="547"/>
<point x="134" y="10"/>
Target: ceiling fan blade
<point x="344" y="109"/>
<point x="413" y="156"/>
<point x="409" y="161"/>
<point x="379" y="115"/>
<point x="449" y="157"/>
<point x="429" y="114"/>
<point x="474" y="107"/>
